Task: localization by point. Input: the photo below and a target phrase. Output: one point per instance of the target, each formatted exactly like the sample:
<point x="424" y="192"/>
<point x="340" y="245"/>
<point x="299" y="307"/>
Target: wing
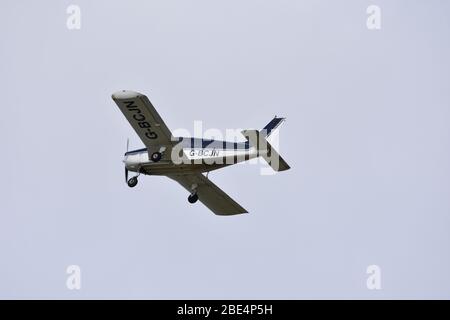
<point x="143" y="117"/>
<point x="209" y="194"/>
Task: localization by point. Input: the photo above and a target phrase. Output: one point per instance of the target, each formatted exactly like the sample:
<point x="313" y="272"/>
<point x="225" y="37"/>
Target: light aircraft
<point x="185" y="159"/>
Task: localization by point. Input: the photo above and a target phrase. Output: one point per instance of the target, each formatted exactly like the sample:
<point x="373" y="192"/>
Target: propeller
<point x="126" y="170"/>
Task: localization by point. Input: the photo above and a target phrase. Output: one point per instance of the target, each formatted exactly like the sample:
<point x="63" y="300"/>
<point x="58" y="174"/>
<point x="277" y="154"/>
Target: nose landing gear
<point x="132" y="182"/>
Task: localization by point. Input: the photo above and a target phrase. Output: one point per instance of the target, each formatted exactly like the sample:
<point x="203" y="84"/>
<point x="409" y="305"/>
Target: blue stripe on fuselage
<point x="203" y="143"/>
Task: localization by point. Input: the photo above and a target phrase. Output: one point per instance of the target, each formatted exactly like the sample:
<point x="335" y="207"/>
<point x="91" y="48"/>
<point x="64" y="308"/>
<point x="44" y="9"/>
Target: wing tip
<point x="235" y="213"/>
<point x="125" y="94"/>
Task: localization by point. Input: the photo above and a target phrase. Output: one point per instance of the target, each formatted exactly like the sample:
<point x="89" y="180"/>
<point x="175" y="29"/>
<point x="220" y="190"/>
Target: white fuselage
<point x="190" y="159"/>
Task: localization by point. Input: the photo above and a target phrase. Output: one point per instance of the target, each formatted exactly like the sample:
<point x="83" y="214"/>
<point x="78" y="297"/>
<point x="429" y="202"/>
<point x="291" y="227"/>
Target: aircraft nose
<point x="129" y="161"/>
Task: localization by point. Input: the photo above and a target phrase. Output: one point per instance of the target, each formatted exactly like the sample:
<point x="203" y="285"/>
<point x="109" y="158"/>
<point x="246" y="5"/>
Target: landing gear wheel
<point x="133" y="182"/>
<point x="193" y="198"/>
<point x="156" y="156"/>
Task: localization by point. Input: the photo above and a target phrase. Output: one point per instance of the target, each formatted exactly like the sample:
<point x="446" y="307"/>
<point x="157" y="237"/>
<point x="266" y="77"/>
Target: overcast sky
<point x="367" y="137"/>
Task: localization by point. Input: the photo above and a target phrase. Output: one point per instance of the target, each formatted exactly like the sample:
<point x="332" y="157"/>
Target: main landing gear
<point x="156" y="156"/>
<point x="193" y="198"/>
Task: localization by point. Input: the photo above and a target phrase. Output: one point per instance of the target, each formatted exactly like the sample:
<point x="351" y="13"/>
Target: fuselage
<point x="190" y="155"/>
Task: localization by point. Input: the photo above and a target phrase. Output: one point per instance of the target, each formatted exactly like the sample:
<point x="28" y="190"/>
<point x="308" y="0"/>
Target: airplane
<point x="186" y="159"/>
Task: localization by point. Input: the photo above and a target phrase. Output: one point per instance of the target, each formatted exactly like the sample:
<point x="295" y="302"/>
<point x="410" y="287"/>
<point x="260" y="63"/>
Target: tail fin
<point x="271" y="126"/>
<point x="265" y="149"/>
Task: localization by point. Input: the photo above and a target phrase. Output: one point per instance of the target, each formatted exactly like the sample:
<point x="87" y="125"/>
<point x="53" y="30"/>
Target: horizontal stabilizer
<point x="266" y="150"/>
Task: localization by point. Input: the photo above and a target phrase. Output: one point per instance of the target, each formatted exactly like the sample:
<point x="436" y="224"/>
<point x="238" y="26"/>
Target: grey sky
<point x="367" y="138"/>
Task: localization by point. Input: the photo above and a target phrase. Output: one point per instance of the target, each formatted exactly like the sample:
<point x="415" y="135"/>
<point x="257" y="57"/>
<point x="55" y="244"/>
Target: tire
<point x="156" y="156"/>
<point x="193" y="198"/>
<point x="132" y="182"/>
